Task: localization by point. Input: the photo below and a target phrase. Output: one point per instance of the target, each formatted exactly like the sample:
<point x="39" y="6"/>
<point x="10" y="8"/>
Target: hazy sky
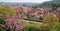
<point x="36" y="1"/>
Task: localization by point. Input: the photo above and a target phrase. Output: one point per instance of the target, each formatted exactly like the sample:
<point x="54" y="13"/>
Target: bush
<point x="1" y="29"/>
<point x="31" y="29"/>
<point x="31" y="26"/>
<point x="45" y="28"/>
<point x="1" y="22"/>
<point x="51" y="23"/>
<point x="5" y="9"/>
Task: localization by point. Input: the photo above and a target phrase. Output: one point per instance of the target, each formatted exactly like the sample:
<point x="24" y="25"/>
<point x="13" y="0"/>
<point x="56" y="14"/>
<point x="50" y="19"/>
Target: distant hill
<point x="56" y="0"/>
<point x="18" y="3"/>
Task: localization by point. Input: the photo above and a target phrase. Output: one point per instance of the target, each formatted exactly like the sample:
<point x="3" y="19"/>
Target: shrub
<point x="11" y="19"/>
<point x="45" y="28"/>
<point x="51" y="22"/>
<point x="1" y="29"/>
<point x="4" y="9"/>
<point x="1" y="22"/>
<point x="31" y="28"/>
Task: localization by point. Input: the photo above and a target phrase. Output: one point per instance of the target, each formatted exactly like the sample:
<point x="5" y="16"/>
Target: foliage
<point x="9" y="19"/>
<point x="4" y="9"/>
<point x="46" y="4"/>
<point x="1" y="22"/>
<point x="51" y="22"/>
<point x="31" y="26"/>
<point x="50" y="19"/>
<point x="14" y="24"/>
<point x="54" y="4"/>
<point x="1" y="29"/>
<point x="56" y="0"/>
<point x="45" y="28"/>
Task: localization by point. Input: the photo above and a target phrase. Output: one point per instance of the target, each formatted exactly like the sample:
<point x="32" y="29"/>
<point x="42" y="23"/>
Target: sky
<point x="36" y="1"/>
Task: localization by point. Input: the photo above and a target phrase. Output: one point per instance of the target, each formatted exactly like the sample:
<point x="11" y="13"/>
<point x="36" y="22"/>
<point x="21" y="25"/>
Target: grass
<point x="32" y="24"/>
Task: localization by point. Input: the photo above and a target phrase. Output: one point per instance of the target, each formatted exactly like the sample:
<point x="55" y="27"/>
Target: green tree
<point x="4" y="9"/>
<point x="51" y="21"/>
<point x="55" y="4"/>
